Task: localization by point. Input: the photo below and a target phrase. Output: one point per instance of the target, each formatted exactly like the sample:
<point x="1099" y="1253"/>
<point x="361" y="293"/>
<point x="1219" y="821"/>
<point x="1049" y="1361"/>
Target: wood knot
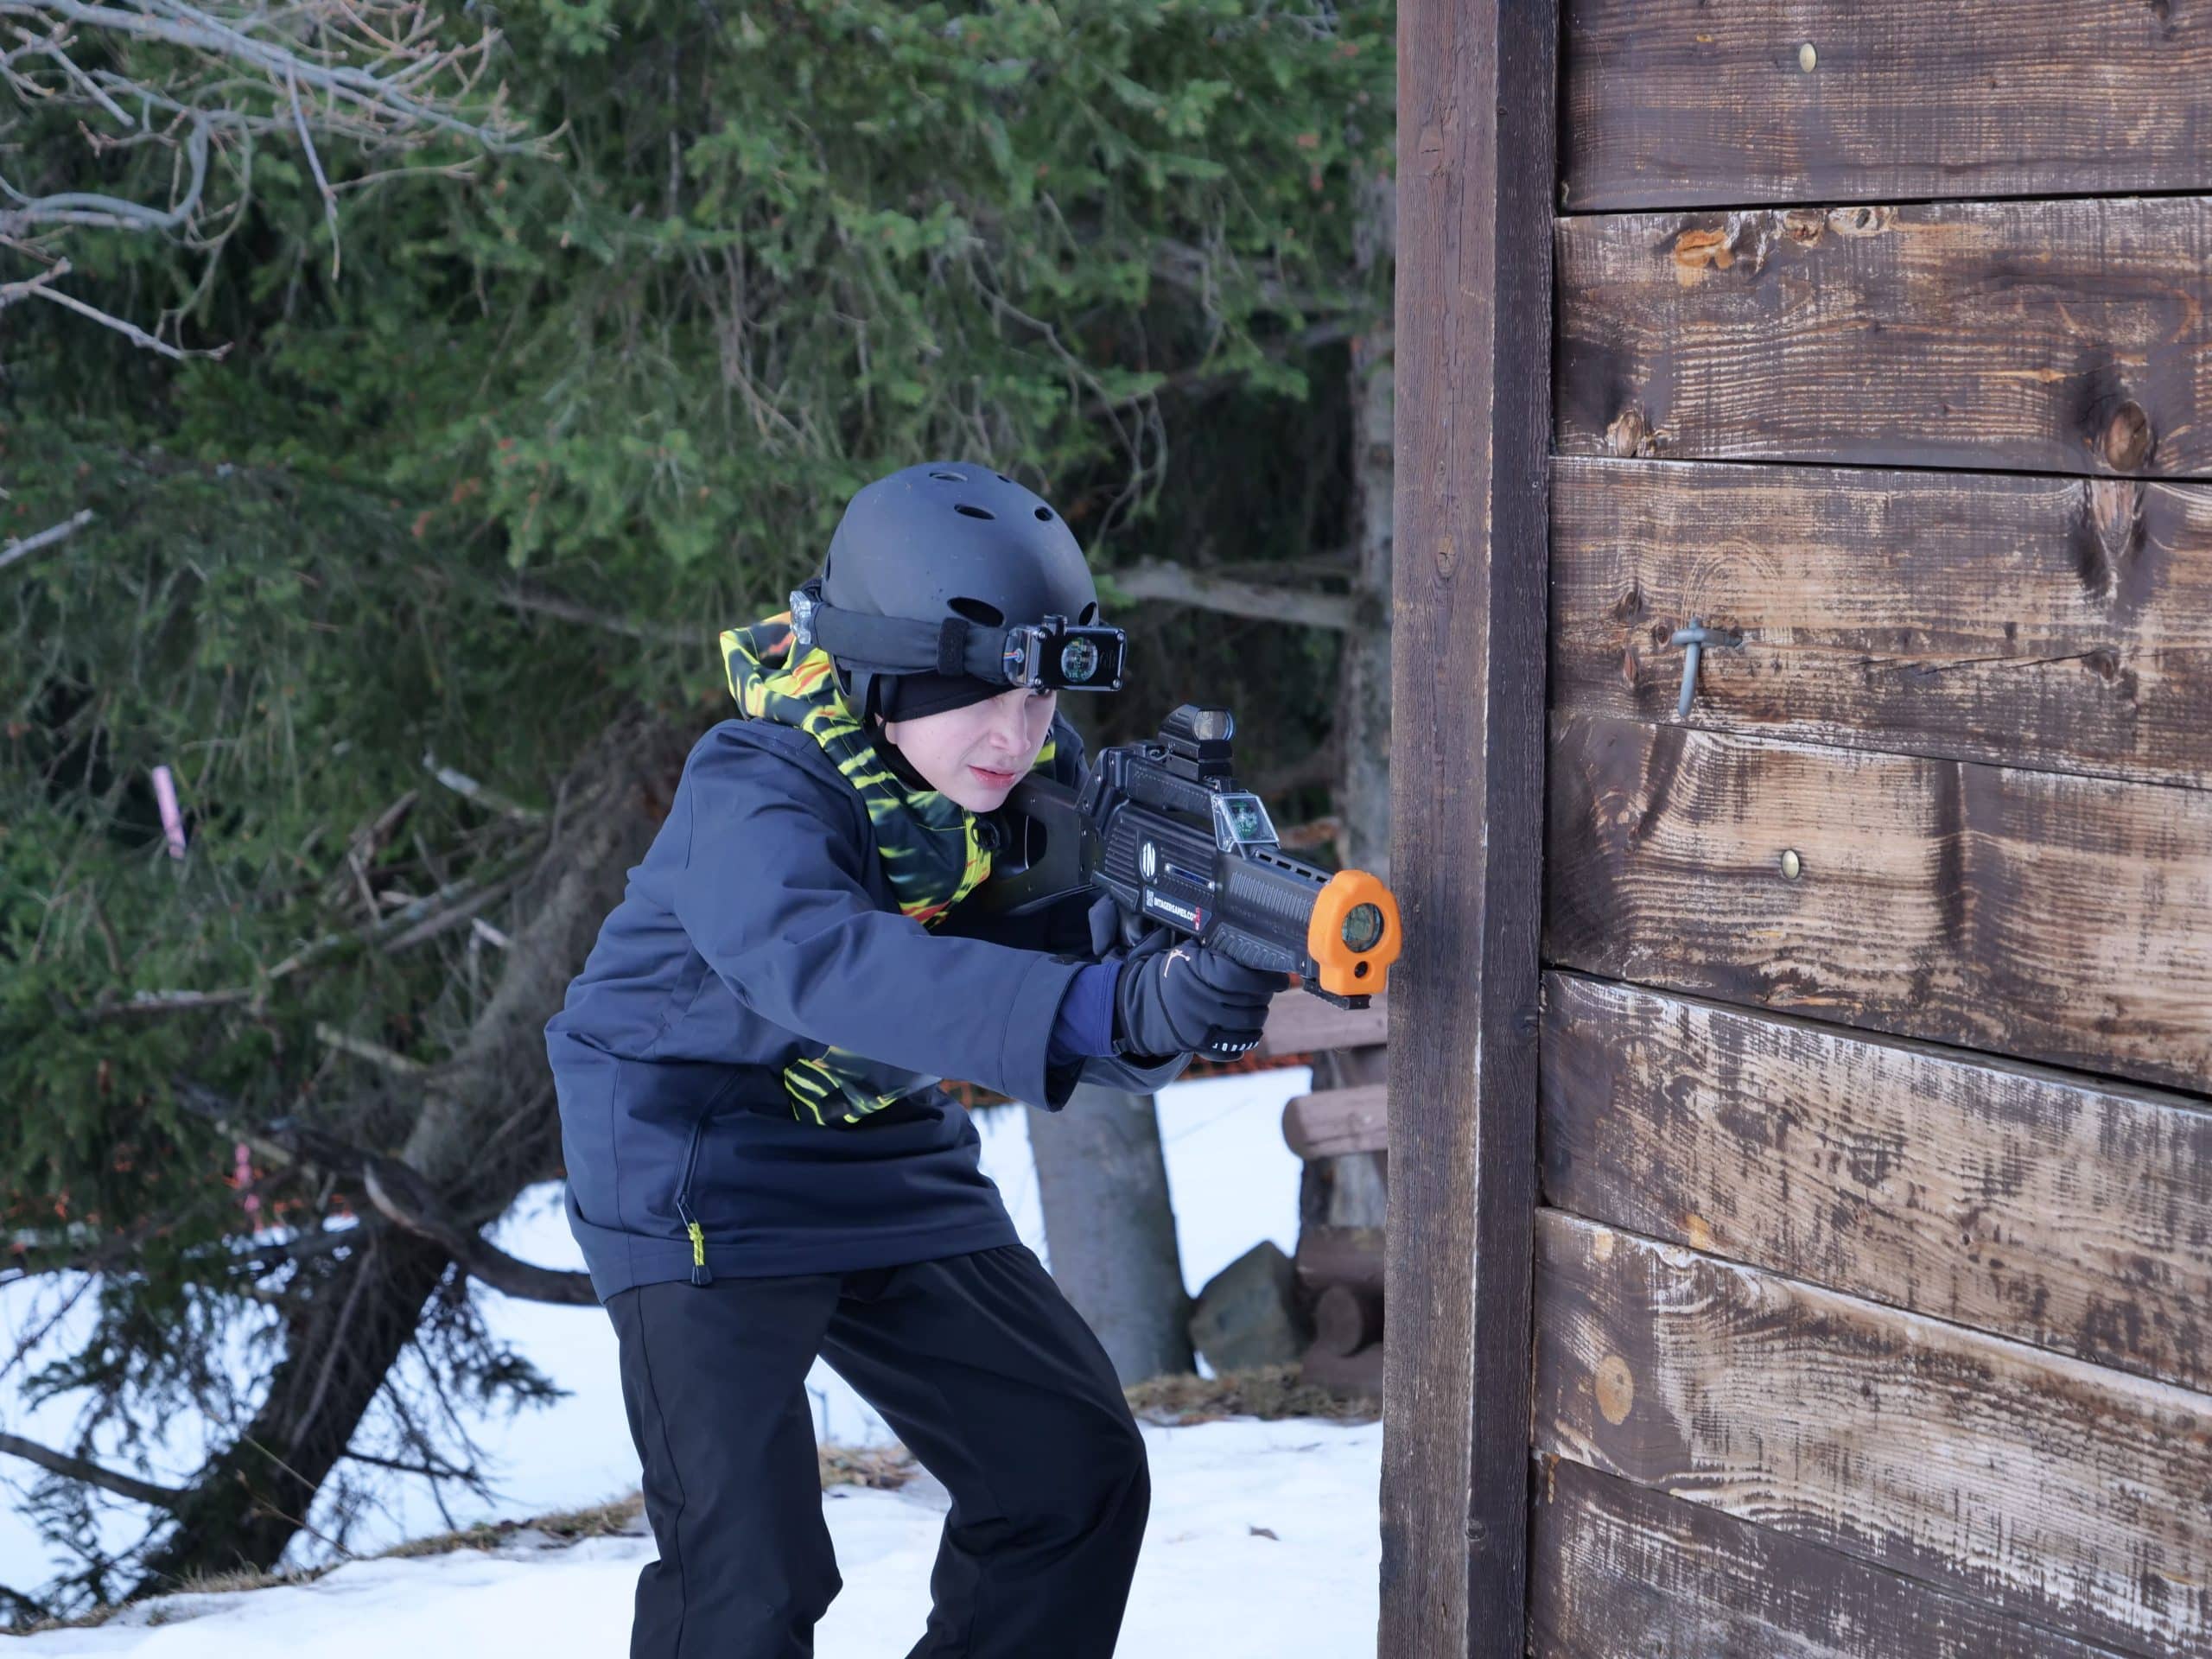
<point x="1616" y="1388"/>
<point x="1630" y="435"/>
<point x="1804" y="226"/>
<point x="2128" y="440"/>
<point x="1698" y="251"/>
<point x="1861" y="221"/>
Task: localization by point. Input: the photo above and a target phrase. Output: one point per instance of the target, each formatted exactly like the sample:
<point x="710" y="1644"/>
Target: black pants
<point x="978" y="1364"/>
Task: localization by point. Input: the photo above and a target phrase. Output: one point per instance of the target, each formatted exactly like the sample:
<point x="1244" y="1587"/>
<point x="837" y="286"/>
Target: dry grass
<point x="886" y="1468"/>
<point x="200" y="1584"/>
<point x="606" y="1520"/>
<point x="1269" y="1391"/>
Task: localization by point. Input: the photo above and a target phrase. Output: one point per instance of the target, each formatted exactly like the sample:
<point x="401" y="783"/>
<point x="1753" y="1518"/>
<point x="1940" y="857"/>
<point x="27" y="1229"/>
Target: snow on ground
<point x="1209" y="1580"/>
<point x="1233" y="1183"/>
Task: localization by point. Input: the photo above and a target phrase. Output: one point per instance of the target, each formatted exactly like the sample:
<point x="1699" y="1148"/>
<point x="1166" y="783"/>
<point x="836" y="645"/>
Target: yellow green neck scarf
<point x="931" y="853"/>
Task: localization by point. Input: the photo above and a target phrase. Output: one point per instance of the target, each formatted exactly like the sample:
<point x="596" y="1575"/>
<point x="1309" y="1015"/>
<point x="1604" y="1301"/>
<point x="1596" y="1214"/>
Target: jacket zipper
<point x="699" y="1274"/>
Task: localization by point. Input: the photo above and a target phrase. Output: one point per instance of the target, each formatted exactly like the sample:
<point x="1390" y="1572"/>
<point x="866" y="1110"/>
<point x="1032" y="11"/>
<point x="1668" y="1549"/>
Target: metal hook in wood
<point x="1697" y="637"/>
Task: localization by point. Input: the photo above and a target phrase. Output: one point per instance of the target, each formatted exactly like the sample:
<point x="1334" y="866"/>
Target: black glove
<point x="1173" y="998"/>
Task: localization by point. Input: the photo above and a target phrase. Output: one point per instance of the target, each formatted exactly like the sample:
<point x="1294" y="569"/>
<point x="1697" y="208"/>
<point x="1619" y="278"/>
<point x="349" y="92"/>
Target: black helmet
<point x="941" y="587"/>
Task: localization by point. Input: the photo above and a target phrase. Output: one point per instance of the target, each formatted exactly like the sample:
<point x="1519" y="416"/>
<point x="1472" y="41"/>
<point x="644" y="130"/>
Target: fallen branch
<point x="568" y="610"/>
<point x="1179" y="585"/>
<point x="362" y="1049"/>
<point x="483" y="794"/>
<point x="1299" y="836"/>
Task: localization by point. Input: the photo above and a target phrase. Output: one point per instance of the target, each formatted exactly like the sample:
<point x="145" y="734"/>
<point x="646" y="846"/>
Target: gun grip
<point x="1105" y="925"/>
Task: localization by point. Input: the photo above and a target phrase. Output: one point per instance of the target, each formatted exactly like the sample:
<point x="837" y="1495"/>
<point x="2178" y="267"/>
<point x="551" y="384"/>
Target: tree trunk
<point x="487" y="1127"/>
<point x="1110" y="1231"/>
<point x="1363" y="790"/>
<point x="253" y="1495"/>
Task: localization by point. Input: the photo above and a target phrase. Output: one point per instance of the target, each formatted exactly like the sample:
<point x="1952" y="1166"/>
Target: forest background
<point x="395" y="401"/>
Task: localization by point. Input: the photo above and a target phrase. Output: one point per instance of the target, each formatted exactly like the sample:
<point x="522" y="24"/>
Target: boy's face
<point x="975" y="756"/>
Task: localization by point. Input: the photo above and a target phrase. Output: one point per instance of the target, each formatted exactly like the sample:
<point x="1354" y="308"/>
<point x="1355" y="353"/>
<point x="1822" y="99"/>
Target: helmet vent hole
<point x="973" y="512"/>
<point x="1045" y="515"/>
<point x="1002" y="478"/>
<point x="1090" y="614"/>
<point x="953" y="478"/>
<point x="976" y="611"/>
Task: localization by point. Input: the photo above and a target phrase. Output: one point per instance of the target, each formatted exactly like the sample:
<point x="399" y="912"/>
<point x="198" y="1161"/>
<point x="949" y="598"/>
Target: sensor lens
<point x="1078" y="661"/>
<point x="1363" y="927"/>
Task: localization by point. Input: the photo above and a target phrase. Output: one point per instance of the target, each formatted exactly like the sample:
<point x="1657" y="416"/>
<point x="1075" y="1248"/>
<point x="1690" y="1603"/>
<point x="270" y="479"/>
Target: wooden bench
<point x="1341" y="1132"/>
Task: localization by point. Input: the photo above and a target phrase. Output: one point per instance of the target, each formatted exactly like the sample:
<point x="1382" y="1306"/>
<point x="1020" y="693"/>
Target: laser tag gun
<point x="1162" y="829"/>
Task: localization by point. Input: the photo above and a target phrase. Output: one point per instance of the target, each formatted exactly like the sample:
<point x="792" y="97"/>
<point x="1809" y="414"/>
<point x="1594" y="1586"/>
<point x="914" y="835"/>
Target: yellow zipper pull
<point x="698" y="1236"/>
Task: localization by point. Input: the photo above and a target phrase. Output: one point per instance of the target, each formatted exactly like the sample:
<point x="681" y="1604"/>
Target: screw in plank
<point x="1792" y="866"/>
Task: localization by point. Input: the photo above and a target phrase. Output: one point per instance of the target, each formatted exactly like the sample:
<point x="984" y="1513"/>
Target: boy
<point x="760" y="1166"/>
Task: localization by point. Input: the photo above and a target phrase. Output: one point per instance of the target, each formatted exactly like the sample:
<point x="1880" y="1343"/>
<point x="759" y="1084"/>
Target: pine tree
<point x="413" y="593"/>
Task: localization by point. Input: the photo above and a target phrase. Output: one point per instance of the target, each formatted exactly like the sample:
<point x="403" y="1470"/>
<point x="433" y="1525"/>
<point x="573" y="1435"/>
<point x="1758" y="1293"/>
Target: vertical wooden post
<point x="1476" y="168"/>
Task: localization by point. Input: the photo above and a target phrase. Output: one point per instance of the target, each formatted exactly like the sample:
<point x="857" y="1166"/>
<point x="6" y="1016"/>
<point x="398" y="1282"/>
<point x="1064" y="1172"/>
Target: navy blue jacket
<point x="758" y="929"/>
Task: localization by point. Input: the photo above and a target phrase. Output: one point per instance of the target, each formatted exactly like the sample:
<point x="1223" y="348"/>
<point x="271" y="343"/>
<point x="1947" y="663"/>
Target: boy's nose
<point x="1010" y="720"/>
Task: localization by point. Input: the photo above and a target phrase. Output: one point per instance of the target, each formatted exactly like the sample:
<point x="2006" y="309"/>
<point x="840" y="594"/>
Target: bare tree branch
<point x="406" y="1200"/>
<point x="92" y="1474"/>
<point x="105" y="211"/>
<point x="52" y="533"/>
<point x="129" y="330"/>
<point x="371" y="76"/>
<point x="403" y="1195"/>
<point x="314" y="162"/>
<point x="1183" y="586"/>
<point x="568" y="610"/>
<point x="361" y="1048"/>
<point x="1318" y="767"/>
<point x="384" y="98"/>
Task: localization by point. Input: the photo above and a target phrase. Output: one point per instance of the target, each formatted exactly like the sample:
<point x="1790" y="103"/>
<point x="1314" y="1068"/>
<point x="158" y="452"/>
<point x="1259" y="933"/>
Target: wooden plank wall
<point x="1873" y="1284"/>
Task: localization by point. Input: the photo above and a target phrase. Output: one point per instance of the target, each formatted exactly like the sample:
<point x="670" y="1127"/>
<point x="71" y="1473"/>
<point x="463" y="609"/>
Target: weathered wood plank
<point x="1301" y="1023"/>
<point x="1477" y="128"/>
<point x="2055" y="1490"/>
<point x="2073" y="1215"/>
<point x="1338" y="1121"/>
<point x="2045" y="336"/>
<point x="2060" y="919"/>
<point x="2058" y="623"/>
<point x="1619" y="1571"/>
<point x="1678" y="103"/>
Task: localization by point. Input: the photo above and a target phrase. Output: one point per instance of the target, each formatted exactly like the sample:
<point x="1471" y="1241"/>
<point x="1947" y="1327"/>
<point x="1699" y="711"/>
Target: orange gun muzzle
<point x="1353" y="935"/>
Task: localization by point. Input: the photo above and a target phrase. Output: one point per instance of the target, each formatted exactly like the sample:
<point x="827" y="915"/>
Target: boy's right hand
<point x="1187" y="997"/>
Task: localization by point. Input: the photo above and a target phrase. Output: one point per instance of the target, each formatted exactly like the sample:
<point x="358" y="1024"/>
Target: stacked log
<point x="1341" y="1132"/>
